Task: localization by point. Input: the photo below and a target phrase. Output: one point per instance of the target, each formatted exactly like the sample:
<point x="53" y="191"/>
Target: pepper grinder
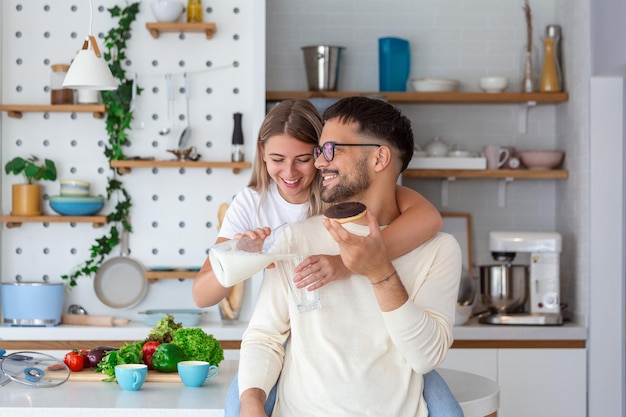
<point x="551" y="79"/>
<point x="237" y="144"/>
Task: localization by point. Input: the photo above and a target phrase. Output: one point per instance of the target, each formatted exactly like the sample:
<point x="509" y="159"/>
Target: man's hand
<point x="363" y="255"/>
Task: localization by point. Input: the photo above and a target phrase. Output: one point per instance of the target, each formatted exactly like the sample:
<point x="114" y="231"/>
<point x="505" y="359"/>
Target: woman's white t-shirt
<point x="245" y="213"/>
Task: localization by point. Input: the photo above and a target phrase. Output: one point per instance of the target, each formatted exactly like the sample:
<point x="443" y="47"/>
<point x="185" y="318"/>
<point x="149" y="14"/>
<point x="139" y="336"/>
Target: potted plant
<point x="26" y="198"/>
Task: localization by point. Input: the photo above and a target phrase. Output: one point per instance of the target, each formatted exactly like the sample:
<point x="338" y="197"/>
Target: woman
<point x="285" y="187"/>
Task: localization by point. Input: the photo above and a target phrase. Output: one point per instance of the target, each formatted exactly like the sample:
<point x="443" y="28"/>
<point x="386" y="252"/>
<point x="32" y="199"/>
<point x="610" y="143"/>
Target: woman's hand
<point x="259" y="233"/>
<point x="319" y="270"/>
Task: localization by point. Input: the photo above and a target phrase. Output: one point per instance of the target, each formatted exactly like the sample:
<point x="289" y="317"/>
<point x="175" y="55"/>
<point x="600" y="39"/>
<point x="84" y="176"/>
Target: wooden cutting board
<point x="153" y="376"/>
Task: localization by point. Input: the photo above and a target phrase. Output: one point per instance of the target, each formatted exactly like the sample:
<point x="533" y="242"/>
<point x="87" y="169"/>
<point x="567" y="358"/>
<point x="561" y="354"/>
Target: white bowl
<point x="74" y="188"/>
<point x="541" y="159"/>
<point x="462" y="314"/>
<point x="493" y="84"/>
<point x="167" y="10"/>
<point x="434" y="84"/>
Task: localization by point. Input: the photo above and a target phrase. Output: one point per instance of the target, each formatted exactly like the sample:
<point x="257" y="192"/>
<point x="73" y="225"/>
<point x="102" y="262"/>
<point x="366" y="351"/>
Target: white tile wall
<point x="464" y="40"/>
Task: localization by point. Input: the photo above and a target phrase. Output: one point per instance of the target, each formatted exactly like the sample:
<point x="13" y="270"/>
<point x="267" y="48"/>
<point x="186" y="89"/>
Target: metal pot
<point x="32" y="303"/>
<point x="504" y="287"/>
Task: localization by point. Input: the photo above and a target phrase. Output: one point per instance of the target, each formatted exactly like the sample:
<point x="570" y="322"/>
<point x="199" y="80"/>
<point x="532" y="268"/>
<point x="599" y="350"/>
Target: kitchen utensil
<point x="305" y="299"/>
<point x="34" y="369"/>
<point x="137" y="122"/>
<point x="184" y="137"/>
<point x="76" y="309"/>
<point x="76" y="205"/>
<point x="462" y="314"/>
<point x="188" y="317"/>
<point x="493" y="84"/>
<point x="544" y="159"/>
<point x="120" y="281"/>
<point x="74" y="188"/>
<point x="394" y="64"/>
<point x="196" y="373"/>
<point x="236" y="260"/>
<point x="87" y="320"/>
<point x="322" y="63"/>
<point x="169" y="94"/>
<point x="32" y="303"/>
<point x="131" y="376"/>
<point x="434" y="84"/>
<point x="504" y="287"/>
<point x="437" y="147"/>
<point x="167" y="10"/>
<point x="496" y="156"/>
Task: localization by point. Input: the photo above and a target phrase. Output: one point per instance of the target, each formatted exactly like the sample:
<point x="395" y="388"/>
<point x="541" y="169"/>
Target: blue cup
<point x="131" y="376"/>
<point x="195" y="373"/>
<point x="394" y="64"/>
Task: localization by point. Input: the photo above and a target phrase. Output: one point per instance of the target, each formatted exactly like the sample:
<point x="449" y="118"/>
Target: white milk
<point x="231" y="267"/>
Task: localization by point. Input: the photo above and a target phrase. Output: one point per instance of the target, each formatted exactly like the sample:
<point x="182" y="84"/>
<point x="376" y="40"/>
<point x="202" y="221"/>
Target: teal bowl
<point x="75" y="205"/>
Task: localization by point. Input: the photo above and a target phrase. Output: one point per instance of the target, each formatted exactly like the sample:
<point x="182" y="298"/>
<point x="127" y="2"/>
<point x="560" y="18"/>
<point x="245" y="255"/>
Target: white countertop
<point x="103" y="399"/>
<point x="139" y="330"/>
<point x="477" y="396"/>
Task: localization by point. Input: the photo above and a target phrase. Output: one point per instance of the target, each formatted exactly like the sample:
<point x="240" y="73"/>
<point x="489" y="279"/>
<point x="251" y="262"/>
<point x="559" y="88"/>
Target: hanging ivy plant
<point x="118" y="121"/>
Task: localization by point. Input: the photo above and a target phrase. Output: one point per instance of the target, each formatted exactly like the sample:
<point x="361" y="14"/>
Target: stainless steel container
<point x="322" y="64"/>
<point x="504" y="287"/>
<point x="32" y="303"/>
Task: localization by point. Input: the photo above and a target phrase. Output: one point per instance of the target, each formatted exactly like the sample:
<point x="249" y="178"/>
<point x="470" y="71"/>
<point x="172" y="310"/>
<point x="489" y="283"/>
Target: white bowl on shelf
<point x="167" y="10"/>
<point x="541" y="159"/>
<point x="434" y="84"/>
<point x="493" y="84"/>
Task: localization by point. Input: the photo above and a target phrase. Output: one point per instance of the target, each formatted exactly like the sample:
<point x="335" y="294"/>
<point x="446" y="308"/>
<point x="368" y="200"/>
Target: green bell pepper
<point x="166" y="357"/>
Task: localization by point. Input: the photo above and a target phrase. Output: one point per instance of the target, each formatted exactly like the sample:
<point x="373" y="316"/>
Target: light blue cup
<point x="195" y="373"/>
<point x="131" y="376"/>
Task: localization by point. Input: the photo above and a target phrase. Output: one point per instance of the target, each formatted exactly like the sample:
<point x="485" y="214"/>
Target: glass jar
<point x="194" y="11"/>
<point x="58" y="94"/>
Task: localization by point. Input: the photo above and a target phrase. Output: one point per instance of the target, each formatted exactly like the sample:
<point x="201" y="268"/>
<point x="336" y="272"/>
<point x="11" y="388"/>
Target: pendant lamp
<point x="89" y="70"/>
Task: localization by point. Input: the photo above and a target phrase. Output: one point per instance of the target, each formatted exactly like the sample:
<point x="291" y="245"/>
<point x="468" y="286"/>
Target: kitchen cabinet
<point x="533" y="382"/>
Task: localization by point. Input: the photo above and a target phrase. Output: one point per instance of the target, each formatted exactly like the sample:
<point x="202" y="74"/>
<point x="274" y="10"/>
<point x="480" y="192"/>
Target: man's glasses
<point x="328" y="149"/>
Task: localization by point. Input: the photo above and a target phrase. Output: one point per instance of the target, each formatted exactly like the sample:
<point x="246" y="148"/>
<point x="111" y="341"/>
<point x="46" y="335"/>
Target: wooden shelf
<point x="16" y="221"/>
<point x="433" y="98"/>
<point x="530" y="174"/>
<point x="175" y="274"/>
<point x="16" y="110"/>
<point x="156" y="28"/>
<point x="126" y="166"/>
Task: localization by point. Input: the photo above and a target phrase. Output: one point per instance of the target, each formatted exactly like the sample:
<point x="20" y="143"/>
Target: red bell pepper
<point x="147" y="351"/>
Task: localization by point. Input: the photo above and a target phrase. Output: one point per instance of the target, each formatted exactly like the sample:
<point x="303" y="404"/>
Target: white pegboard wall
<point x="174" y="212"/>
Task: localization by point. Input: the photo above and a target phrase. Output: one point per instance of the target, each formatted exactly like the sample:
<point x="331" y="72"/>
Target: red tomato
<point x="83" y="353"/>
<point x="74" y="360"/>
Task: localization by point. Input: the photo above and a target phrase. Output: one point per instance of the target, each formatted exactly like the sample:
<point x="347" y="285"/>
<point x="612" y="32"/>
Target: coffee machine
<point x="522" y="295"/>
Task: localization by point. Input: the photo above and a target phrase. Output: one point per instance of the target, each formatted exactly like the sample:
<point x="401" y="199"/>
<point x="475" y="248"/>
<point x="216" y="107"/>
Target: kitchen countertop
<point x="476" y="395"/>
<point x="139" y="330"/>
<point x="102" y="399"/>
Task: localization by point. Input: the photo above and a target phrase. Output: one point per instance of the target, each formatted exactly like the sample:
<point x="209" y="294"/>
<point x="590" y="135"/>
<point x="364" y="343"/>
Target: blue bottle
<point x="394" y="64"/>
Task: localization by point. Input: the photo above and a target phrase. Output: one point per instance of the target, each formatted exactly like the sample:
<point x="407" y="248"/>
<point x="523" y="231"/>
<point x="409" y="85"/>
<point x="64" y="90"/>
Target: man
<point x="365" y="351"/>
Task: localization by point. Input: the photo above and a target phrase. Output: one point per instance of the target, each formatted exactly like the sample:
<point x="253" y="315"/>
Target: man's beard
<point x="349" y="186"/>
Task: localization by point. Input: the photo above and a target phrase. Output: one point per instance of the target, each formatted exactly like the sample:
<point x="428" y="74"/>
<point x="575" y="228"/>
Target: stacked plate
<point x="75" y="199"/>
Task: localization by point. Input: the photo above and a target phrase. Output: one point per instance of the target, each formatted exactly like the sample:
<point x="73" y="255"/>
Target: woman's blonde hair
<point x="300" y="120"/>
